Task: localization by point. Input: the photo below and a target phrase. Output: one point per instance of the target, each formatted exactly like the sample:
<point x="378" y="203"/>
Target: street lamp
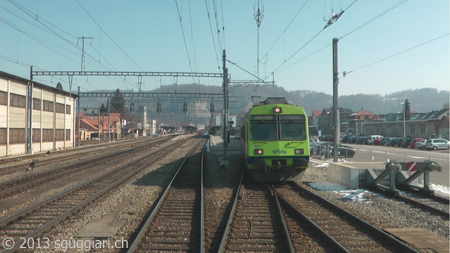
<point x="404" y="118"/>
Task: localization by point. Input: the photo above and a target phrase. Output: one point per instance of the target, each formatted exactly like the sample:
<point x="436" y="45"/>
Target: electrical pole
<point x="336" y="122"/>
<point x="109" y="119"/>
<point x="258" y="17"/>
<point x="98" y="127"/>
<point x="225" y="106"/>
<point x="30" y="104"/>
<point x="82" y="51"/>
<point x="78" y="109"/>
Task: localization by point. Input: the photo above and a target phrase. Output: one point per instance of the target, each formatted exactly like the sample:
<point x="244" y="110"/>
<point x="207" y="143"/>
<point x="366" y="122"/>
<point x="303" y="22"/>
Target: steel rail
<point x="230" y="218"/>
<point x="425" y="206"/>
<point x="281" y="217"/>
<point x="323" y="235"/>
<point x="390" y="240"/>
<point x="134" y="247"/>
<point x="80" y="205"/>
<point x="202" y="209"/>
<point x="44" y="176"/>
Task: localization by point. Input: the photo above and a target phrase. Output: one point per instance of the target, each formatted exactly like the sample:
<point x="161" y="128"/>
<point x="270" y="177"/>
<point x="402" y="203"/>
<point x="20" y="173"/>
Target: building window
<point x="412" y="130"/>
<point x="67" y="134"/>
<point x="48" y="106"/>
<point x="16" y="135"/>
<point x="3" y="97"/>
<point x="422" y="129"/>
<point x="17" y="100"/>
<point x="59" y="108"/>
<point x="68" y="109"/>
<point x="2" y="136"/>
<point x="36" y="104"/>
<point x="47" y="135"/>
<point x="59" y="134"/>
<point x="36" y="135"/>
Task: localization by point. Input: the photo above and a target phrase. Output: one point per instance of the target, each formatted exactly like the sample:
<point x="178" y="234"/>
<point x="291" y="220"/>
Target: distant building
<point x="94" y="126"/>
<point x="325" y="121"/>
<point x="428" y="125"/>
<point x="434" y="124"/>
<point x="357" y="120"/>
<point x="52" y="117"/>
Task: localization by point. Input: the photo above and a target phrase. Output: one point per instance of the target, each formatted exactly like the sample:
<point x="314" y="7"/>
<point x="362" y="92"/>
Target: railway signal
<point x="158" y="107"/>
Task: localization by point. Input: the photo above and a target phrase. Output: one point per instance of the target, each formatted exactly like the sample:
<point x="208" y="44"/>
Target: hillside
<point x="242" y="98"/>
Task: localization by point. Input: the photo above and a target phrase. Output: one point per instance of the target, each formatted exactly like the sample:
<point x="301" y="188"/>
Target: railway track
<point x="434" y="204"/>
<point x="61" y="157"/>
<point x="344" y="231"/>
<point x="41" y="217"/>
<point x="176" y="223"/>
<point x="255" y="222"/>
<point x="21" y="184"/>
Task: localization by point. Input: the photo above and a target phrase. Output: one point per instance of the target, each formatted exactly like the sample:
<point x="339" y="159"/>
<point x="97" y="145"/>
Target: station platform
<point x="234" y="147"/>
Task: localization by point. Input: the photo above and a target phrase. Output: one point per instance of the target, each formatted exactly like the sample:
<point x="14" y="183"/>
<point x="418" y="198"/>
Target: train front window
<point x="292" y="131"/>
<point x="264" y="131"/>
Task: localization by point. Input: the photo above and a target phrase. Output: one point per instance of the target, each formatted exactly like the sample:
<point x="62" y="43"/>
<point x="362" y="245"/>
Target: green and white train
<point x="276" y="140"/>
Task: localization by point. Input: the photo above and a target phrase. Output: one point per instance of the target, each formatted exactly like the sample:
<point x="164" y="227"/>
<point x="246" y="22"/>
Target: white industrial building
<point x="53" y="117"/>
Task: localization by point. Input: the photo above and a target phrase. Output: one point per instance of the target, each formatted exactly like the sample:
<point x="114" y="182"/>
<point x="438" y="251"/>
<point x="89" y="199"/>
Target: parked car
<point x="413" y="143"/>
<point x="393" y="142"/>
<point x="385" y="141"/>
<point x="362" y="140"/>
<point x="421" y="144"/>
<point x="377" y="141"/>
<point x="354" y="139"/>
<point x="436" y="144"/>
<point x="371" y="138"/>
<point x="326" y="149"/>
<point x="347" y="139"/>
<point x="406" y="142"/>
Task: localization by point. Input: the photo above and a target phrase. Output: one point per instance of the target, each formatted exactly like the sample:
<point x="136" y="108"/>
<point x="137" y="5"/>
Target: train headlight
<point x="259" y="152"/>
<point x="299" y="151"/>
<point x="277" y="110"/>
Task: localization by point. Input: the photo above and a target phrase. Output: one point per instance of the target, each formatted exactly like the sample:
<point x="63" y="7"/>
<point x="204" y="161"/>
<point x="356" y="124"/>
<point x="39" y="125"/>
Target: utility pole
<point x="132" y="109"/>
<point x="109" y="119"/>
<point x="30" y="104"/>
<point x="258" y="17"/>
<point x="98" y="127"/>
<point x="78" y="114"/>
<point x="336" y="122"/>
<point x="225" y="106"/>
<point x="82" y="51"/>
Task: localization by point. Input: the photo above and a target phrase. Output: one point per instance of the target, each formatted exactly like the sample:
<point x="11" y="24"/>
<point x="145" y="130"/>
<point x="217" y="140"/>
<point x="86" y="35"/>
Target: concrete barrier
<point x="352" y="175"/>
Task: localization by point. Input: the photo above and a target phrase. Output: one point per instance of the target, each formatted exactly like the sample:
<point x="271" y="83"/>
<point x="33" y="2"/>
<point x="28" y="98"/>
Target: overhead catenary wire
<point x="217" y="24"/>
<point x="366" y="23"/>
<point x="391" y="56"/>
<point x="330" y="22"/>
<point x="115" y="43"/>
<point x="40" y="20"/>
<point x="375" y="18"/>
<point x="193" y="40"/>
<point x="290" y="23"/>
<point x="184" y="37"/>
<point x="212" y="34"/>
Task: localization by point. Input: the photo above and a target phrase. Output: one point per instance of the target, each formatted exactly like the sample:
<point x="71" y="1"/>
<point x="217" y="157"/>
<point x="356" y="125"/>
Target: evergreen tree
<point x="117" y="103"/>
<point x="103" y="108"/>
<point x="407" y="110"/>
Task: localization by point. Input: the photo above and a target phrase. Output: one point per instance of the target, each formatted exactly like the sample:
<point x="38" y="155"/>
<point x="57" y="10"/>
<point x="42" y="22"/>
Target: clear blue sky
<point x="143" y="35"/>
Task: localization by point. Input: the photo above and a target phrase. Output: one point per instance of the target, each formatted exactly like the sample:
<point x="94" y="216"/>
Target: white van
<point x="372" y="138"/>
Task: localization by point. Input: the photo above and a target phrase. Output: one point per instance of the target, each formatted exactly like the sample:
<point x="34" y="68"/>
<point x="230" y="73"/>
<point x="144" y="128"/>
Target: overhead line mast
<point x="259" y="15"/>
<point x="83" y="59"/>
